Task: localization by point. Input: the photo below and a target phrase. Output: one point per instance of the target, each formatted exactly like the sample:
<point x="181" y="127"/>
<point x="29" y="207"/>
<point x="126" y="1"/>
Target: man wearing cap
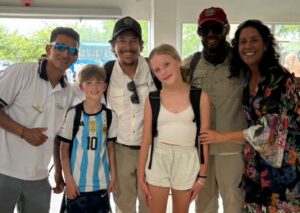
<point x="129" y="83"/>
<point x="225" y="166"/>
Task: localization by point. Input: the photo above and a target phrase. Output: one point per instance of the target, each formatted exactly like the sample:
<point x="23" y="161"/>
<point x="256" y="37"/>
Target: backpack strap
<point x="193" y="64"/>
<point x="108" y="67"/>
<point x="108" y="116"/>
<point x="154" y="98"/>
<point x="78" y="110"/>
<point x="195" y="94"/>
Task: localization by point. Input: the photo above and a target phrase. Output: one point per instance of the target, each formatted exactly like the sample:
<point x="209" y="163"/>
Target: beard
<point x="213" y="50"/>
<point x="218" y="54"/>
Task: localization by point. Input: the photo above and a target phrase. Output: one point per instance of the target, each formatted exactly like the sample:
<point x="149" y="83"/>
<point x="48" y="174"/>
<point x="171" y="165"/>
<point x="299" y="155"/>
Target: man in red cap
<point x="210" y="71"/>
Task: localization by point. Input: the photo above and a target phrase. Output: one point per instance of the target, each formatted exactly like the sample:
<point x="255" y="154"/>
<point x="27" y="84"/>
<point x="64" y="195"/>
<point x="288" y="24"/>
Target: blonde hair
<point x="167" y="49"/>
<point x="90" y="71"/>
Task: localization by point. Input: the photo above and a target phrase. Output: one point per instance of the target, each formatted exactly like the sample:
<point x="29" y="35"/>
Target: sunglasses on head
<point x="132" y="88"/>
<point x="62" y="47"/>
<point x="216" y="28"/>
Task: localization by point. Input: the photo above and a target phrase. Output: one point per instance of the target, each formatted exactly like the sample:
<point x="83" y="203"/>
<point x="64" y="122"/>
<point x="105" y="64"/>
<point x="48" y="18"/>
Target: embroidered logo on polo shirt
<point x="38" y="108"/>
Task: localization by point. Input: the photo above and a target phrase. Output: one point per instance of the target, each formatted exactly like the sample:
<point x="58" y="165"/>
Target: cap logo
<point x="128" y="22"/>
<point x="210" y="12"/>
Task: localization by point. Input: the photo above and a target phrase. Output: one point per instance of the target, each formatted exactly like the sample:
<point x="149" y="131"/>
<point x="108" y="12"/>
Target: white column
<point x="164" y="25"/>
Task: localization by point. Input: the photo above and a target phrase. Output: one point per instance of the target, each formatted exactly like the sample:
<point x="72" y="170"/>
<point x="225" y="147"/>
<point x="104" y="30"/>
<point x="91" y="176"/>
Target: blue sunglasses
<point x="62" y="47"/>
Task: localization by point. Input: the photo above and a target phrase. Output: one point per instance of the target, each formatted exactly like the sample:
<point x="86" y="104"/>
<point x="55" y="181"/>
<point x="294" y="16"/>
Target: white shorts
<point x="173" y="166"/>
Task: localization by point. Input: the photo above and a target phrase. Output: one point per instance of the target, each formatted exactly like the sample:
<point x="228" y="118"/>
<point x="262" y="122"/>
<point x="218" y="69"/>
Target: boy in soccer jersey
<point x="87" y="151"/>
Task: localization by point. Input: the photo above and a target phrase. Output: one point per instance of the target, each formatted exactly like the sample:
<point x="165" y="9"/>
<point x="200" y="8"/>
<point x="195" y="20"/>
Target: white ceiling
<point x="187" y="10"/>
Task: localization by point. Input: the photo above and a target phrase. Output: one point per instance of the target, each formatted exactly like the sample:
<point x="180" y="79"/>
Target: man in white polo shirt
<point x="34" y="98"/>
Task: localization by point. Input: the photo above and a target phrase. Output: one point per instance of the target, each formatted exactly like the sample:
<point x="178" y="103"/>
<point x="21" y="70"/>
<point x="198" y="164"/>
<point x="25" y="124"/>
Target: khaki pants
<point x="126" y="193"/>
<point x="224" y="176"/>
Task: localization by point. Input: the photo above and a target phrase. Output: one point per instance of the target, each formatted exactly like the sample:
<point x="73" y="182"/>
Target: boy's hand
<point x="112" y="185"/>
<point x="72" y="190"/>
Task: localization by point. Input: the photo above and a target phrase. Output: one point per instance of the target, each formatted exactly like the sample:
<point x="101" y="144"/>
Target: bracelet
<point x="201" y="176"/>
<point x="201" y="181"/>
<point x="22" y="132"/>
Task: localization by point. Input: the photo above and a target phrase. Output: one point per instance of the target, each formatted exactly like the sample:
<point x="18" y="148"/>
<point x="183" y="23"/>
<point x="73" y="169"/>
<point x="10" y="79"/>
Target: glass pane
<point x="190" y="40"/>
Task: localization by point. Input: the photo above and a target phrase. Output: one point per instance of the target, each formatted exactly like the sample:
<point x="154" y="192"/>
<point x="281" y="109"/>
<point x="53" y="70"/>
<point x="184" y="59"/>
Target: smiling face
<point x="165" y="68"/>
<point x="251" y="46"/>
<point x="127" y="47"/>
<point x="93" y="89"/>
<point x="61" y="60"/>
<point x="213" y="34"/>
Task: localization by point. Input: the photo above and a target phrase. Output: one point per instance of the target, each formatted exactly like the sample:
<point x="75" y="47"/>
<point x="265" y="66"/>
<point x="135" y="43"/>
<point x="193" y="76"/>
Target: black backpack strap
<point x="195" y="94"/>
<point x="76" y="124"/>
<point x="78" y="110"/>
<point x="193" y="64"/>
<point x="154" y="98"/>
<point x="108" y="67"/>
<point x="108" y="116"/>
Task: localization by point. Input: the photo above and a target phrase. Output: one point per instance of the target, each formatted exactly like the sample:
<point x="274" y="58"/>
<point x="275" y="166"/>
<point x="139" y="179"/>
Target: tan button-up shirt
<point x="226" y="99"/>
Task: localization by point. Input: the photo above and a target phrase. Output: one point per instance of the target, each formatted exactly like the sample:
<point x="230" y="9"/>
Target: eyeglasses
<point x="216" y="28"/>
<point x="132" y="88"/>
<point x="62" y="47"/>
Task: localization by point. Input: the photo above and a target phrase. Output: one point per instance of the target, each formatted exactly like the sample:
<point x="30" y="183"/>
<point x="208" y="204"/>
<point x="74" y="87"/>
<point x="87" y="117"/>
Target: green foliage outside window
<point x="17" y="47"/>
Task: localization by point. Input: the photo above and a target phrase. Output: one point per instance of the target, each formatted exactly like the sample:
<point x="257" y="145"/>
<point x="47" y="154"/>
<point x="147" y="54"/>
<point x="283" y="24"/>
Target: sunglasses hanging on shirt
<point x="134" y="98"/>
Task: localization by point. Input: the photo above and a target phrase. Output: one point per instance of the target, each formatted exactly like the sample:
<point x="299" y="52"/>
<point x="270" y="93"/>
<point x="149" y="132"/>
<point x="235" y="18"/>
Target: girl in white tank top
<point x="175" y="162"/>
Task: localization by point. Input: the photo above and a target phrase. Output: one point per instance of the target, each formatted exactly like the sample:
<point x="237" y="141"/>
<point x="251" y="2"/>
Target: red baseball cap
<point x="212" y="14"/>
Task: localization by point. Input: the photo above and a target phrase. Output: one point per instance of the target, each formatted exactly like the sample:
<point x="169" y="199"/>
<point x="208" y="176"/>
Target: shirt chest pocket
<point x="200" y="77"/>
<point x="116" y="100"/>
<point x="143" y="92"/>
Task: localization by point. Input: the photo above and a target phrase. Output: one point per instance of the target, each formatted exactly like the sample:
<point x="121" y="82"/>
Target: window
<point x="26" y="42"/>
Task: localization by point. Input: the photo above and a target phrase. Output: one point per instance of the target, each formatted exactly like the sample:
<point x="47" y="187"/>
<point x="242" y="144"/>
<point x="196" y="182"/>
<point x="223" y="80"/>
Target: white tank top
<point x="176" y="128"/>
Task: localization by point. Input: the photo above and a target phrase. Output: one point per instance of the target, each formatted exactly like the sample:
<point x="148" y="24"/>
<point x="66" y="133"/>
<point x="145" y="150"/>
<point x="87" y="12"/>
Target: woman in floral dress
<point x="271" y="104"/>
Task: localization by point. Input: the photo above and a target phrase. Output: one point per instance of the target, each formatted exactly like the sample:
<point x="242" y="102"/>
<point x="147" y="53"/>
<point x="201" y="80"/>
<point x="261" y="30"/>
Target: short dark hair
<point x="67" y="31"/>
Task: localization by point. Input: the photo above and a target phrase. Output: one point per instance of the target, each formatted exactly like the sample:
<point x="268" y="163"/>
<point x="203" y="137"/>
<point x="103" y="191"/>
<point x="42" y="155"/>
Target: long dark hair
<point x="270" y="57"/>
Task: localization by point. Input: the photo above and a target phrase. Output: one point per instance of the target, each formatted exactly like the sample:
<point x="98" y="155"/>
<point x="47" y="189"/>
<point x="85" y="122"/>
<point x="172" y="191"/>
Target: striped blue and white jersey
<point x="89" y="158"/>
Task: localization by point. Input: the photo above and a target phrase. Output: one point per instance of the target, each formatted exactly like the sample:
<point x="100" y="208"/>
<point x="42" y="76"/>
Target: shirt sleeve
<point x="65" y="133"/>
<point x="112" y="132"/>
<point x="11" y="83"/>
<point x="269" y="135"/>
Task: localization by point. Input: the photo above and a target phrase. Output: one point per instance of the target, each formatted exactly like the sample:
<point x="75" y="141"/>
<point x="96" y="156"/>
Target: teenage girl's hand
<point x="72" y="190"/>
<point x="145" y="191"/>
<point x="196" y="189"/>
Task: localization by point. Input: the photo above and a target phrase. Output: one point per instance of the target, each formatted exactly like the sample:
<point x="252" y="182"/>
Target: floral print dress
<point x="272" y="151"/>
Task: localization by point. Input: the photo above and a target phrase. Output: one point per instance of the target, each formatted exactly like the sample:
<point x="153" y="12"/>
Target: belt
<point x="130" y="147"/>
